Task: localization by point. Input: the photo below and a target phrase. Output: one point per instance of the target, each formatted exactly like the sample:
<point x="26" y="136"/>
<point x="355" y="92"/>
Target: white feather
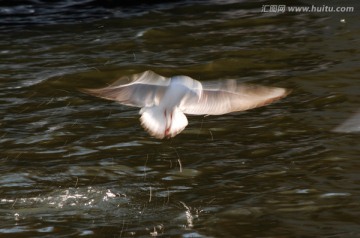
<point x="164" y="101"/>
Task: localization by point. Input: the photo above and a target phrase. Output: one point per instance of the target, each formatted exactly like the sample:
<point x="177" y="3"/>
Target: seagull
<point x="165" y="101"/>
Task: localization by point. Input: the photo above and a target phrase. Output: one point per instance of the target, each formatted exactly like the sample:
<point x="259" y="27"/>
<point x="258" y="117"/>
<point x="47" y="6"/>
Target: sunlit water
<point x="75" y="165"/>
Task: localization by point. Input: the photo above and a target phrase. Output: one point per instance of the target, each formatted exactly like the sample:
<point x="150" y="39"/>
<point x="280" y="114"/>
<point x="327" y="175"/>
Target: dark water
<point x="75" y="165"/>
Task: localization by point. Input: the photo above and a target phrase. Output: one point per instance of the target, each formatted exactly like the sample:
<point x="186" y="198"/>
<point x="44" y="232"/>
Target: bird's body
<point x="166" y="119"/>
<point x="165" y="101"/>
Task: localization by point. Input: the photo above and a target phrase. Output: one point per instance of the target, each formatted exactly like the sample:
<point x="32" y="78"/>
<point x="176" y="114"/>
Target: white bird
<point x="165" y="101"/>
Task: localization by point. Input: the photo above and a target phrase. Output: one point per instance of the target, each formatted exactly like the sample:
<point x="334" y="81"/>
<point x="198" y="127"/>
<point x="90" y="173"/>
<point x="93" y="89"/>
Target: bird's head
<point x="192" y="86"/>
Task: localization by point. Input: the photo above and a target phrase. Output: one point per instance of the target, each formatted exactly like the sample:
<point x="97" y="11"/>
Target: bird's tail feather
<point x="160" y="123"/>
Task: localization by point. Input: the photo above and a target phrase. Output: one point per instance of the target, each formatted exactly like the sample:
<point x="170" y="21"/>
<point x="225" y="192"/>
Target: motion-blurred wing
<point x="229" y="96"/>
<point x="138" y="90"/>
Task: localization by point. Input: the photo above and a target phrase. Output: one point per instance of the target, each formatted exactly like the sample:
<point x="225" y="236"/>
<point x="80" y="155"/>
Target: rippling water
<point x="75" y="165"/>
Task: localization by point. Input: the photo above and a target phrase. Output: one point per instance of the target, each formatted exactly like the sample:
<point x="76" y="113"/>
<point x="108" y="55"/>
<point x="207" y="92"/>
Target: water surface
<point x="75" y="165"/>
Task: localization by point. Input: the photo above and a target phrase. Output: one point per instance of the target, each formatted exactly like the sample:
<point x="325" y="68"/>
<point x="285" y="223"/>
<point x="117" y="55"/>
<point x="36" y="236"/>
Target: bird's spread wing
<point x="229" y="96"/>
<point x="138" y="90"/>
